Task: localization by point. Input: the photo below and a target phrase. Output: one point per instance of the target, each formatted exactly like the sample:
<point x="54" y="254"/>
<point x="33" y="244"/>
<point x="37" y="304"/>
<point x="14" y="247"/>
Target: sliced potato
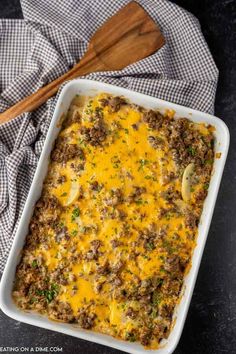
<point x="73" y="193"/>
<point x="186" y="182"/>
<point x="115" y="313"/>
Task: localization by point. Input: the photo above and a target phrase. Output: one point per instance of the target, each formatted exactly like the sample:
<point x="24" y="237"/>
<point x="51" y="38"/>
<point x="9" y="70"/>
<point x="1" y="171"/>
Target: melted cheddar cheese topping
<point x="113" y="234"/>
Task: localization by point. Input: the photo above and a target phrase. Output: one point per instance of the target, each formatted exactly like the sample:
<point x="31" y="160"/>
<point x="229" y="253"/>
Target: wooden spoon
<point x="128" y="36"/>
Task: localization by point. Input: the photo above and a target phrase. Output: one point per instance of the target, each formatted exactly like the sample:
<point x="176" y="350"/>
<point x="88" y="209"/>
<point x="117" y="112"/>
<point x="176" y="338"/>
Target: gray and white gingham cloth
<point x="52" y="37"/>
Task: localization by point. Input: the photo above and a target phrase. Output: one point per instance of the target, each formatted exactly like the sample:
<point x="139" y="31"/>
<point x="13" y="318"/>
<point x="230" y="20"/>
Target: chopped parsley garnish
<point x="74" y="232"/>
<point x="146" y="257"/>
<point x="209" y="162"/>
<point x="33" y="299"/>
<point x="130" y="337"/>
<point x="75" y="214"/>
<point x="141" y="201"/>
<point x="156" y="298"/>
<point x="115" y="161"/>
<point x="64" y="194"/>
<point x="191" y="151"/>
<point x="150" y="246"/>
<point x="142" y="162"/>
<point x="34" y="264"/>
<point x="49" y="294"/>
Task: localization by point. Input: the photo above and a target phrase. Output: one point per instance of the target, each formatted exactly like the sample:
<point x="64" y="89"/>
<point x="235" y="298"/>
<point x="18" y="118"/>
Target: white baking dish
<point x="87" y="87"/>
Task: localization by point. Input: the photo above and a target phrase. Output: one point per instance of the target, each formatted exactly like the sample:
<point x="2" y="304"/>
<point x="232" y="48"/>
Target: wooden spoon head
<point x="128" y="36"/>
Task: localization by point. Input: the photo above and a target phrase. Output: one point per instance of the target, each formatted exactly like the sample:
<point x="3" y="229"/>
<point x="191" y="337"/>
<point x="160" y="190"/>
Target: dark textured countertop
<point x="211" y="323"/>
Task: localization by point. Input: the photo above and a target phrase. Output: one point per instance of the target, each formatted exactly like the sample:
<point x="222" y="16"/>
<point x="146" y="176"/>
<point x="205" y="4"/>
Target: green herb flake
<point x="75" y="214"/>
<point x="156" y="298"/>
<point x="139" y="202"/>
<point x="145" y="257"/>
<point x="142" y="162"/>
<point x="63" y="194"/>
<point x="150" y="246"/>
<point x="209" y="162"/>
<point x="34" y="264"/>
<point x="33" y="300"/>
<point x="50" y="293"/>
<point x="191" y="151"/>
<point x="130" y="337"/>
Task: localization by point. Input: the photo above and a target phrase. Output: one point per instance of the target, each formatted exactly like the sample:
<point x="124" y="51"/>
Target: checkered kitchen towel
<point x="52" y="37"/>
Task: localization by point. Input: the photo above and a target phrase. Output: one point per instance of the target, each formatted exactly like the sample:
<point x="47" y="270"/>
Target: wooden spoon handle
<point x="35" y="100"/>
<point x="127" y="37"/>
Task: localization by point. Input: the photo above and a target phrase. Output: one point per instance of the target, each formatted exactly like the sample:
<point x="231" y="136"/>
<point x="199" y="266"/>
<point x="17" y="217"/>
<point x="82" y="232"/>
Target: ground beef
<point x="95" y="135"/>
<point x="116" y="268"/>
<point x="154" y="119"/>
<point x="167" y="212"/>
<point x="131" y="313"/>
<point x="86" y="319"/>
<point x="116" y="243"/>
<point x="155" y="141"/>
<point x="93" y="253"/>
<point x="161" y="330"/>
<point x="122" y="214"/>
<point x="103" y="269"/>
<point x="104" y="102"/>
<point x="135" y="126"/>
<point x="95" y="186"/>
<point x="47" y="202"/>
<point x="145" y="287"/>
<point x="173" y="265"/>
<point x="64" y="152"/>
<point x="145" y="336"/>
<point x="116" y="281"/>
<point x="78" y="167"/>
<point x="115" y="197"/>
<point x="201" y="195"/>
<point x="191" y="220"/>
<point x="171" y="195"/>
<point x="51" y="207"/>
<point x="166" y="311"/>
<point x="188" y="144"/>
<point x="61" y="233"/>
<point x="61" y="179"/>
<point x="136" y="194"/>
<point x="115" y="103"/>
<point x="59" y="277"/>
<point x="150" y="236"/>
<point x="62" y="311"/>
<point x="171" y="286"/>
<point x="168" y="177"/>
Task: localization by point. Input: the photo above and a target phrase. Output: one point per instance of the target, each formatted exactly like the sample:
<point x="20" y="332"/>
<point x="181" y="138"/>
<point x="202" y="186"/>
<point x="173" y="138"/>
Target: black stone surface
<point x="211" y="323"/>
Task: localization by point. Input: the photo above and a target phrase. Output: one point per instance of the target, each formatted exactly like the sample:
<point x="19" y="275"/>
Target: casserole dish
<point x="90" y="88"/>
